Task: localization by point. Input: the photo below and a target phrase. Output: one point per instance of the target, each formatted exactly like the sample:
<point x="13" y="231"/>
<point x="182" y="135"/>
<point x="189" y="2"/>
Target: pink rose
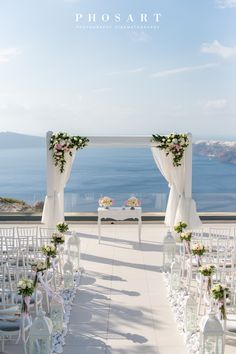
<point x="58" y="146"/>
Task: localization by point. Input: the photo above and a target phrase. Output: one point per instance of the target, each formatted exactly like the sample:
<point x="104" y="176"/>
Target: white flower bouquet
<point x="105" y="202"/>
<point x="133" y="202"/>
<point x="39" y="266"/>
<point x="25" y="288"/>
<point x="180" y="226"/>
<point x="198" y="249"/>
<point x="49" y="250"/>
<point x="207" y="270"/>
<point x="186" y="236"/>
<point x="219" y="292"/>
<point x="62" y="227"/>
<point x="58" y="238"/>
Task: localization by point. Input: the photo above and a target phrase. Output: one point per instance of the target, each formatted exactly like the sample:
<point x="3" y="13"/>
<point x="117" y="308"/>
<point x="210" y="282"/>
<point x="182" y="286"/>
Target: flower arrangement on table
<point x="62" y="227"/>
<point x="61" y="144"/>
<point x="219" y="292"/>
<point x="133" y="202"/>
<point x="58" y="238"/>
<point x="207" y="271"/>
<point x="105" y="202"/>
<point x="50" y="251"/>
<point x="25" y="289"/>
<point x="174" y="144"/>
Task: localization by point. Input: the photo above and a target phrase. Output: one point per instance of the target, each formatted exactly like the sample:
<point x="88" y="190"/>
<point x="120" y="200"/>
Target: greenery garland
<point x="62" y="143"/>
<point x="174" y="144"/>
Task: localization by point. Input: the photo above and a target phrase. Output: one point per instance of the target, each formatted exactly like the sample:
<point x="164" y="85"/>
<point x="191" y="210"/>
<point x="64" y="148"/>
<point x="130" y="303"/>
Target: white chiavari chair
<point x="12" y="323"/>
<point x="230" y="320"/>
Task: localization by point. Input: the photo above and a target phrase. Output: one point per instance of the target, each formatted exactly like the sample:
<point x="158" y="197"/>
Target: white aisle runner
<point x="121" y="305"/>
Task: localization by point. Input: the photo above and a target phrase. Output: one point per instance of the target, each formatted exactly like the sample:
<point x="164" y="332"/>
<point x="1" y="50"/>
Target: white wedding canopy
<point x="180" y="207"/>
<point x="53" y="211"/>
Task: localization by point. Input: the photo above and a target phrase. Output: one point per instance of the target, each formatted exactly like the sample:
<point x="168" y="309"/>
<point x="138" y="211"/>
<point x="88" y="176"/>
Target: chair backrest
<point x="7" y="288"/>
<point x="27" y="238"/>
<point x="45" y="236"/>
<point x="7" y="231"/>
<point x="27" y="231"/>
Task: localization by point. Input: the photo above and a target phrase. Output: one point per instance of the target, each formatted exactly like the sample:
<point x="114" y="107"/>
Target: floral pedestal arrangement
<point x="132" y="203"/>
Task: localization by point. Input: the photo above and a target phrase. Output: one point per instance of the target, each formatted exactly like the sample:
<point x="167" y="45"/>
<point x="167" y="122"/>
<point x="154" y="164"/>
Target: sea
<point x="118" y="173"/>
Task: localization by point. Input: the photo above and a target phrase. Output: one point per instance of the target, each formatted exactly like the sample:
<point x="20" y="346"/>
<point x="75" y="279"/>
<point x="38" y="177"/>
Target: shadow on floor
<point x="143" y="246"/>
<point x="98" y="259"/>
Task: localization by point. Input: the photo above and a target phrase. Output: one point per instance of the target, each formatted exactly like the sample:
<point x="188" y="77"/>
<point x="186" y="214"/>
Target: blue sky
<point x="180" y="77"/>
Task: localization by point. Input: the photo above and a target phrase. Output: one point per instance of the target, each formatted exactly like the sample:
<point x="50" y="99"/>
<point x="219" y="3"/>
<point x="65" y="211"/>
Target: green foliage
<point x="62" y="143"/>
<point x="12" y="201"/>
<point x="174" y="144"/>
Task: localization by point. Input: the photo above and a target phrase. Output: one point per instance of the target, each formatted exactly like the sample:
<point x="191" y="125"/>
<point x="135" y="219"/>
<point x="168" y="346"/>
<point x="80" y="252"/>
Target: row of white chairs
<point x="20" y="247"/>
<point x="220" y="244"/>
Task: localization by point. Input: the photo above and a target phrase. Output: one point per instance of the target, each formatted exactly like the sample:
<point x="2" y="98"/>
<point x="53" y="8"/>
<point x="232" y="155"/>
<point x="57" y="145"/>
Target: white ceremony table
<point x="120" y="213"/>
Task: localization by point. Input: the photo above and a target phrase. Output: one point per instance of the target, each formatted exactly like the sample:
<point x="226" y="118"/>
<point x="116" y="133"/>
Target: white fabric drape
<point x="180" y="206"/>
<point x="53" y="211"/>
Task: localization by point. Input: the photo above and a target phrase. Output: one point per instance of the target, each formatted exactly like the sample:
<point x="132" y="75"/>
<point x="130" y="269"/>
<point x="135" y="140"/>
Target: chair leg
<point x="3" y="344"/>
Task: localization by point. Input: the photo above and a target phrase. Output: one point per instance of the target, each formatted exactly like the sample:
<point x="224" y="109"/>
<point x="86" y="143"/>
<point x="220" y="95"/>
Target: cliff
<point x="10" y="205"/>
<point x="223" y="151"/>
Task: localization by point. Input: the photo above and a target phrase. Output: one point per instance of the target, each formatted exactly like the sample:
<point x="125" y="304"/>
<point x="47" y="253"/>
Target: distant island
<point x="224" y="151"/>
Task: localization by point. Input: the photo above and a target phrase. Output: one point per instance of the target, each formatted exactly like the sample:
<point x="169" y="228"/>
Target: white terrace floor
<point x="121" y="305"/>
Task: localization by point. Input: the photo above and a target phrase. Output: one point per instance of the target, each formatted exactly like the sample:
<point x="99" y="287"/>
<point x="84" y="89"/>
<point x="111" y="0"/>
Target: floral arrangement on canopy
<point x="105" y="202"/>
<point x="62" y="143"/>
<point x="174" y="144"/>
<point x="133" y="202"/>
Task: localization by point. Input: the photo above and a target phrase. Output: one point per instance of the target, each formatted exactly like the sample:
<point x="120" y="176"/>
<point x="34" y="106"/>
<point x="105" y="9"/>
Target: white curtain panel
<point x="179" y="206"/>
<point x="53" y="211"/>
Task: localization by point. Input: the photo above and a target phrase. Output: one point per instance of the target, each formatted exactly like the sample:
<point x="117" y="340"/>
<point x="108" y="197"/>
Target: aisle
<point x="121" y="305"/>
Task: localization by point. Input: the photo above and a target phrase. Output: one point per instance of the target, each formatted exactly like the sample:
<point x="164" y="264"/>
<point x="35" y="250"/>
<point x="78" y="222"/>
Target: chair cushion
<point x="10" y="326"/>
<point x="231" y="323"/>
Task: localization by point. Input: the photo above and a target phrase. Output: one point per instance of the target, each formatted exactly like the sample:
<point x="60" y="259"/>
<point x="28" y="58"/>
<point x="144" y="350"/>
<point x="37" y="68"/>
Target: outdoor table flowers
<point x="62" y="227"/>
<point x="218" y="293"/>
<point x="207" y="271"/>
<point x="133" y="202"/>
<point x="25" y="289"/>
<point x="105" y="202"/>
